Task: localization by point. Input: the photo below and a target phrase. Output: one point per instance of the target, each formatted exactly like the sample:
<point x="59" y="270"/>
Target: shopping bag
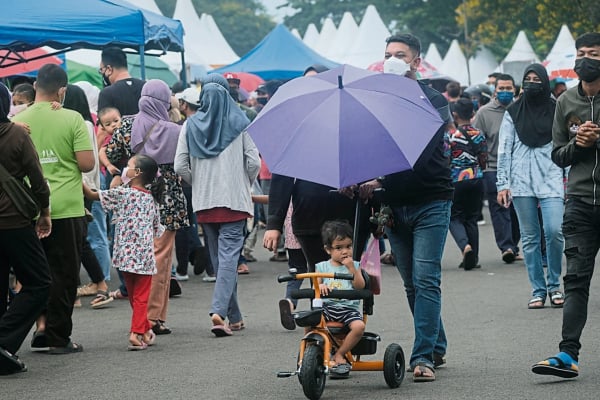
<point x="370" y="262"/>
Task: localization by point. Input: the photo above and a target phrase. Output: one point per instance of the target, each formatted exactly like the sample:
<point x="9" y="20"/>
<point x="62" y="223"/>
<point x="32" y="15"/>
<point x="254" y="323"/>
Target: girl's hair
<point x="26" y="90"/>
<point x="333" y="230"/>
<point x="149" y="168"/>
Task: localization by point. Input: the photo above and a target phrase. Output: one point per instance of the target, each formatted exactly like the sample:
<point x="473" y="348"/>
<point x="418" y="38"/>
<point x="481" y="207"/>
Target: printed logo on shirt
<point x="573" y="123"/>
<point x="48" y="157"/>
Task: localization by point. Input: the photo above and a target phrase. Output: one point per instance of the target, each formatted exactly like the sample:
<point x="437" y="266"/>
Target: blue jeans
<point x="225" y="241"/>
<point x="552" y="216"/>
<point x="417" y="240"/>
<point x="97" y="237"/>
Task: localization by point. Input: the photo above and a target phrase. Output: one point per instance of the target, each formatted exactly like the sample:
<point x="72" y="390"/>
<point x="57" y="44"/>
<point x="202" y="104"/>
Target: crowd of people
<point x="126" y="176"/>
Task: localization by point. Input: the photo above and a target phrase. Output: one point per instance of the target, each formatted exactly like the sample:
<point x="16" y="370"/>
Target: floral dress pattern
<point x="173" y="208"/>
<point x="137" y="221"/>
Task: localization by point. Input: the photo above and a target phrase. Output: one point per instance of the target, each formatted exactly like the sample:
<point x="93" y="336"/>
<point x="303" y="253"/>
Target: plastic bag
<point x="370" y="262"/>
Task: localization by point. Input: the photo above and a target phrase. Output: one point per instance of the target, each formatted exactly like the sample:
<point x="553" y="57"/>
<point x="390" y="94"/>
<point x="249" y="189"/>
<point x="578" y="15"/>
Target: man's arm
<point x="85" y="160"/>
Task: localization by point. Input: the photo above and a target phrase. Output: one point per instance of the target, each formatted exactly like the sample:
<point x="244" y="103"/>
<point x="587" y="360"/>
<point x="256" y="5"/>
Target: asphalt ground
<point x="493" y="341"/>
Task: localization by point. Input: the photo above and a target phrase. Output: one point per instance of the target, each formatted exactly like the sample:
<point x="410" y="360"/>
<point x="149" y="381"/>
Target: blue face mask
<point x="505" y="98"/>
<point x="475" y="104"/>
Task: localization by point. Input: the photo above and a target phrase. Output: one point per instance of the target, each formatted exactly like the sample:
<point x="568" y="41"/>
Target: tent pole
<point x="183" y="76"/>
<point x="142" y="63"/>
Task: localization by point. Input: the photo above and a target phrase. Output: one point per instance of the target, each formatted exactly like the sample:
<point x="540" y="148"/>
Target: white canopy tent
<point x="481" y="64"/>
<point x="432" y="56"/>
<point x="455" y="64"/>
<point x="311" y="36"/>
<point x="326" y="36"/>
<point x="369" y="45"/>
<point x="220" y="52"/>
<point x="561" y="59"/>
<point x="344" y="38"/>
<point x="296" y="33"/>
<point x="519" y="57"/>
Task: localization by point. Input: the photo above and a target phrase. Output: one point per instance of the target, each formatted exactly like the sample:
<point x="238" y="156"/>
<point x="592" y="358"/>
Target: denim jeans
<point x="505" y="227"/>
<point x="417" y="240"/>
<point x="97" y="236"/>
<point x="581" y="227"/>
<point x="225" y="241"/>
<point x="552" y="215"/>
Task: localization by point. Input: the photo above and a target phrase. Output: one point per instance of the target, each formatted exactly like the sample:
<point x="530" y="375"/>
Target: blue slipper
<point x="561" y="365"/>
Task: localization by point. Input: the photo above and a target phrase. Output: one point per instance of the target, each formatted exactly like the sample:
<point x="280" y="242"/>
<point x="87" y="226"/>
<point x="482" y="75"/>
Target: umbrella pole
<point x="355" y="250"/>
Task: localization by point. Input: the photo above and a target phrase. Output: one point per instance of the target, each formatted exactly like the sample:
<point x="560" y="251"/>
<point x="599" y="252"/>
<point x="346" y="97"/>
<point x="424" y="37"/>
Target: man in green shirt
<point x="64" y="149"/>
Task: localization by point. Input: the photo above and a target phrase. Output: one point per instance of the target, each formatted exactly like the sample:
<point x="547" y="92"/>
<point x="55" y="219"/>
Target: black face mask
<point x="262" y="100"/>
<point x="105" y="80"/>
<point x="533" y="88"/>
<point x="235" y="94"/>
<point x="587" y="69"/>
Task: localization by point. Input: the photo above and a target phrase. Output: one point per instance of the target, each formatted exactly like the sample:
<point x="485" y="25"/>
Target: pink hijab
<point x="154" y="105"/>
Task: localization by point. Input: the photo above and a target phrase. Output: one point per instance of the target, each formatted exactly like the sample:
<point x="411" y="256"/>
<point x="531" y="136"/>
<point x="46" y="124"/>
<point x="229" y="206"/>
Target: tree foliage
<point x="243" y="22"/>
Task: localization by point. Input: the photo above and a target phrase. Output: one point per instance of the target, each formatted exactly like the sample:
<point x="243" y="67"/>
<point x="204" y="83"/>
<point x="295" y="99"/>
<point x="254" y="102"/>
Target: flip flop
<point x="340" y="369"/>
<point x="221" y="331"/>
<point x="136" y="347"/>
<point x="419" y="372"/>
<point x="238" y="326"/>
<point x="561" y="365"/>
<point x="152" y="339"/>
<point x="70" y="348"/>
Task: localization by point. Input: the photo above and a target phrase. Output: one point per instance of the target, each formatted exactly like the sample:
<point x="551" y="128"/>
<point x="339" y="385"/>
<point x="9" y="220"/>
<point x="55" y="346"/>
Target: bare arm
<point x="85" y="160"/>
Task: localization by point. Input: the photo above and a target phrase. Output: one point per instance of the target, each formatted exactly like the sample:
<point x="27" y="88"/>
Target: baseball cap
<point x="189" y="95"/>
<point x="232" y="76"/>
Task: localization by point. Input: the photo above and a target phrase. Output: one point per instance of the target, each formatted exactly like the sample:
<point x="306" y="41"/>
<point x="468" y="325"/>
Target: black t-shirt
<point x="123" y="95"/>
<point x="430" y="178"/>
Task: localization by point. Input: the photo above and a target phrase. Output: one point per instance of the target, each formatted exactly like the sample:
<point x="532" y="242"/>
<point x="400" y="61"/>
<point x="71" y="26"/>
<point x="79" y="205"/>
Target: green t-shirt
<point x="57" y="136"/>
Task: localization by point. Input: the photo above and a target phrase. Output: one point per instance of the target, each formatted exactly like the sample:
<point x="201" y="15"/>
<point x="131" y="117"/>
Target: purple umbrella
<point x="345" y="126"/>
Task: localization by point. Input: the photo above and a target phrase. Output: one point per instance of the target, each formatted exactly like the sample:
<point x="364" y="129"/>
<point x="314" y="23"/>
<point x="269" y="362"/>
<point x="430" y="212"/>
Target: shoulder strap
<point x="141" y="145"/>
<point x="4" y="174"/>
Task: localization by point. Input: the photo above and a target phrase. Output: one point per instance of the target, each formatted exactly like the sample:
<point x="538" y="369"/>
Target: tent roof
<point x="521" y="50"/>
<point x="344" y="38"/>
<point x="433" y="56"/>
<point x="89" y="24"/>
<point x="481" y="65"/>
<point x="280" y="55"/>
<point x="326" y="36"/>
<point x="369" y="44"/>
<point x="311" y="36"/>
<point x="224" y="54"/>
<point x="455" y="64"/>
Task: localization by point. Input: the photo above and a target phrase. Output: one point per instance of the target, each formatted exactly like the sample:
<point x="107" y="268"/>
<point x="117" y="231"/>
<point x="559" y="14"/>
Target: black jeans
<point x="63" y="250"/>
<point x="581" y="229"/>
<point x="504" y="220"/>
<point x="468" y="196"/>
<point x="21" y="249"/>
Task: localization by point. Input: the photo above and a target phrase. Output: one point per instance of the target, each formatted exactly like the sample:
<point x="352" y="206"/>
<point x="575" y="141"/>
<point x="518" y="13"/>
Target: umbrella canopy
<point x="248" y="81"/>
<point x="345" y="126"/>
<point x="37" y="56"/>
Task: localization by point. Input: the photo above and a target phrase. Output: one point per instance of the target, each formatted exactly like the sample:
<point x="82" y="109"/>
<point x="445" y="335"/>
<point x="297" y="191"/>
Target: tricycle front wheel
<point x="393" y="365"/>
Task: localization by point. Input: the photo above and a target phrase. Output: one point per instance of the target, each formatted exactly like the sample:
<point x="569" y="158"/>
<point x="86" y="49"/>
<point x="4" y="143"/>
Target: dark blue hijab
<point x="216" y="124"/>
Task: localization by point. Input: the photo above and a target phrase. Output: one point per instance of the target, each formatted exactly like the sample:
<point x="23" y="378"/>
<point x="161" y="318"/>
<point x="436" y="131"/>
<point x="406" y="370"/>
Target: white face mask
<point x="14" y="110"/>
<point x="396" y="66"/>
<point x="124" y="178"/>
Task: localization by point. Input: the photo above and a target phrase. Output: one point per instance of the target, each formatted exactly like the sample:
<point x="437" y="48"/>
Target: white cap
<point x="189" y="95"/>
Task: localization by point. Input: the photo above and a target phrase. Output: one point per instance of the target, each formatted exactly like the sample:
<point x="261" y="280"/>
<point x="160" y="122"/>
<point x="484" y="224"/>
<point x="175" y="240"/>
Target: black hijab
<point x="533" y="114"/>
<point x="75" y="99"/>
<point x="4" y="103"/>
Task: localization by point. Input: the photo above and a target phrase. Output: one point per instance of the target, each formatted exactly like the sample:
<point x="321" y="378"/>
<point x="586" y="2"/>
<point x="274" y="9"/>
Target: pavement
<point x="493" y="341"/>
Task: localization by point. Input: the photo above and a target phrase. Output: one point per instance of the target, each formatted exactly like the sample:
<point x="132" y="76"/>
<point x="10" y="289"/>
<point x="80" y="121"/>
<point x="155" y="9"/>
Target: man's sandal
<point x="561" y="365"/>
<point x="536" y="302"/>
<point x="557" y="299"/>
<point x="423" y="373"/>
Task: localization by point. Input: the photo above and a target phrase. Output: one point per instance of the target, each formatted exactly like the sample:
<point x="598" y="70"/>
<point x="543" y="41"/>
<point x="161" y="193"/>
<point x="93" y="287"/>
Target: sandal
<point x="70" y="348"/>
<point x="160" y="328"/>
<point x="102" y="298"/>
<point x="238" y="326"/>
<point x="387" y="258"/>
<point x="139" y="345"/>
<point x="557" y="299"/>
<point x="561" y="365"/>
<point x="536" y="302"/>
<point x="423" y="373"/>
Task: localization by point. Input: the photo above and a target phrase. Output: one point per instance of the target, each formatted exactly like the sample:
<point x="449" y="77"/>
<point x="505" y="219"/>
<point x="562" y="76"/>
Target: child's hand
<point x="324" y="289"/>
<point x="55" y="105"/>
<point x="349" y="263"/>
<point x="23" y="125"/>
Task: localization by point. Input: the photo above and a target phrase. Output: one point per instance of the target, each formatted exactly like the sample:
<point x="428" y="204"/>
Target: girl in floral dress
<point x="137" y="218"/>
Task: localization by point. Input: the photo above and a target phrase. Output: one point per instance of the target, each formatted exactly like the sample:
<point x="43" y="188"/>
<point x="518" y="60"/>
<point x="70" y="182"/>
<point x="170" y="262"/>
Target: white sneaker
<point x="182" y="277"/>
<point x="209" y="278"/>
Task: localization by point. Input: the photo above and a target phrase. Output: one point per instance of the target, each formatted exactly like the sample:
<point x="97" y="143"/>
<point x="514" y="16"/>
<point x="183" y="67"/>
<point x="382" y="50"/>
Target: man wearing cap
<point x="234" y="81"/>
<point x="189" y="101"/>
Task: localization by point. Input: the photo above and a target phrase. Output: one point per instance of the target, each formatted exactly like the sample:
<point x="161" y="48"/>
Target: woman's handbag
<point x="20" y="193"/>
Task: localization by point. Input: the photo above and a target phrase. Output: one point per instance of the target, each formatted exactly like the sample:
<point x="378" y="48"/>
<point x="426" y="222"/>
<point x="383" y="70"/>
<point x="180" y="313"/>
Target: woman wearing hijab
<point x="528" y="177"/>
<point x="221" y="162"/>
<point x="151" y="133"/>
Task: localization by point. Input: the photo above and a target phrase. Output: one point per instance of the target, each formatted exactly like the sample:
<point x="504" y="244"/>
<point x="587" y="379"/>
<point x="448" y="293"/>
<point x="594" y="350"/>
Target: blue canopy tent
<point x="280" y="55"/>
<point x="71" y="24"/>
